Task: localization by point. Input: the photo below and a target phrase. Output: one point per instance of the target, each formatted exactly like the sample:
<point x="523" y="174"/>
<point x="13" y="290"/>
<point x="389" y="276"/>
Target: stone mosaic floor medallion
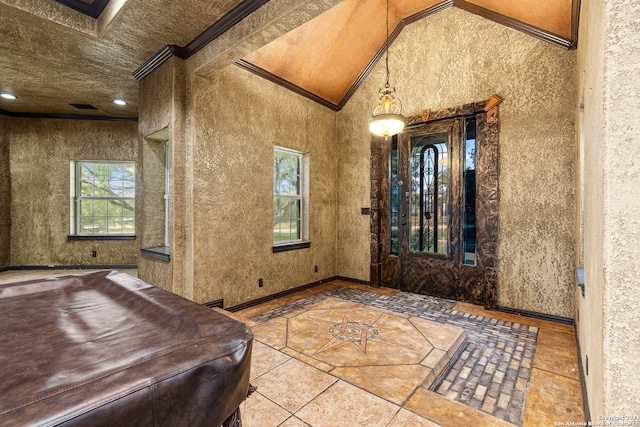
<point x="350" y="331"/>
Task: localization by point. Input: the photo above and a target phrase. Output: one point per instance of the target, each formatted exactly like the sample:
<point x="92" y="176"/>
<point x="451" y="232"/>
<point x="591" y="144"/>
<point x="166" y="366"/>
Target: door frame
<point x="476" y="284"/>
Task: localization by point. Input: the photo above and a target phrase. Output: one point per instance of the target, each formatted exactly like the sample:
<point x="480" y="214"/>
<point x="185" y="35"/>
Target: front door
<point x="434" y="217"/>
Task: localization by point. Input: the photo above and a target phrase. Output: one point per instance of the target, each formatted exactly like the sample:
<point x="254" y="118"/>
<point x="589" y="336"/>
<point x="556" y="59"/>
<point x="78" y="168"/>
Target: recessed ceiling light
<point x="6" y="95"/>
<point x="120" y="102"/>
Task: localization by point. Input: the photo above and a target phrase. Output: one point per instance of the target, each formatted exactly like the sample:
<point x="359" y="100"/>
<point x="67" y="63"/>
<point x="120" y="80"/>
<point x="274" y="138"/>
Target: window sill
<point x="100" y="237"/>
<point x="291" y="247"/>
<point x="157" y="252"/>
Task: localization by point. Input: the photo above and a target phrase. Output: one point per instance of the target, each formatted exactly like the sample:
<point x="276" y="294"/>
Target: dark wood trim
<point x="157" y="252"/>
<point x="516" y="25"/>
<point x="536" y="315"/>
<point x="501" y="19"/>
<point x="235" y="15"/>
<point x="277" y="295"/>
<point x="68" y="116"/>
<point x="291" y="247"/>
<point x="349" y="279"/>
<point x="156" y="60"/>
<point x="575" y="19"/>
<point x="70" y="267"/>
<point x="85" y="237"/>
<point x="361" y="78"/>
<point x="445" y="114"/>
<point x="446" y="4"/>
<point x="284" y="83"/>
<point x="367" y="70"/>
<point x="246" y="7"/>
<point x="396" y="32"/>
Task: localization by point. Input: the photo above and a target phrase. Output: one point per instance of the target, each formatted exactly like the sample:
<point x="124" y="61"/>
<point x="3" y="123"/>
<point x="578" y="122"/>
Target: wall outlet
<point x="94" y="254"/>
<point x="316" y="269"/>
<point x="260" y="283"/>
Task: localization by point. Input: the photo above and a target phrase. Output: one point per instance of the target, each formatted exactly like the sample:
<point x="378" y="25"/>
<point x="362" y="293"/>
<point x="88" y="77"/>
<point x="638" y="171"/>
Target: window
<point x="104" y="198"/>
<point x="155" y="197"/>
<point x="429" y="168"/>
<point x="394" y="187"/>
<point x="469" y="192"/>
<point x="167" y="192"/>
<point x="288" y="197"/>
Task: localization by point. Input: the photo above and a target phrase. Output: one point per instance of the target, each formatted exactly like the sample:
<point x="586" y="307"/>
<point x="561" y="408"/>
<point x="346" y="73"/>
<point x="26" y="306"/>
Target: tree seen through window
<point x="287" y="196"/>
<point x="105" y="195"/>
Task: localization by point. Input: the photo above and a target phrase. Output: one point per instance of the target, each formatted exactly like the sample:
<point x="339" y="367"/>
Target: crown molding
<point x="67" y="116"/>
<point x="536" y="32"/>
<point x="284" y="83"/>
<point x="231" y="18"/>
<point x="379" y="54"/>
<point x="247" y="7"/>
<point x="156" y="60"/>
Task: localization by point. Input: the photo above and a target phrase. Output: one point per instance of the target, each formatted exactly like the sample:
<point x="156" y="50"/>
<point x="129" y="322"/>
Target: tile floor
<point x="342" y="354"/>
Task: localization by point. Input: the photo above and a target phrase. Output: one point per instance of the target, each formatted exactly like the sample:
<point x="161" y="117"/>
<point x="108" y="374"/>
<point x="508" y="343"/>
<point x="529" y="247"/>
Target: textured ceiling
<point x="54" y="56"/>
<point x="50" y="62"/>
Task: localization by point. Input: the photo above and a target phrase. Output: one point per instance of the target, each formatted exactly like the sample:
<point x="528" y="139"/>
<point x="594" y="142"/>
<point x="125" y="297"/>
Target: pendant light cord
<point x="387" y="46"/>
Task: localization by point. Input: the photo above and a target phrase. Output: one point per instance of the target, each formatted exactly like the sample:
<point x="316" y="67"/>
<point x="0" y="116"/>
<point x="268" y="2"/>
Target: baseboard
<point x="349" y="279"/>
<point x="540" y="316"/>
<point x="71" y="267"/>
<point x="271" y="297"/>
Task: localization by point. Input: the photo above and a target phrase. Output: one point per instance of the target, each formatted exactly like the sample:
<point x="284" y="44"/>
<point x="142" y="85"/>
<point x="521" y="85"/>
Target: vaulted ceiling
<point x="55" y="56"/>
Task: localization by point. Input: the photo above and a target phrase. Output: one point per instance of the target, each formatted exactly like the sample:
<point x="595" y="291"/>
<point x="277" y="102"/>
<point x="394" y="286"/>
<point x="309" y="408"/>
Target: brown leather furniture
<point x="107" y="349"/>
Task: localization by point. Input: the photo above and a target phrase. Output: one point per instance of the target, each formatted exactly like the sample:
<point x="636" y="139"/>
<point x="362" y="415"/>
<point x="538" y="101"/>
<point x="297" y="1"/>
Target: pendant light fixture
<point x="387" y="119"/>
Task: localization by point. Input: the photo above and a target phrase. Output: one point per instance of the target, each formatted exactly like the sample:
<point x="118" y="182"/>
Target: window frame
<point x="302" y="201"/>
<point x="76" y="200"/>
<point x="167" y="194"/>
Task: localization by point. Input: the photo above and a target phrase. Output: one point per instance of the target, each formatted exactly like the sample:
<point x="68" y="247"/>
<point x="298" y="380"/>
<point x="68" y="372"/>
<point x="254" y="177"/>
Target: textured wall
<point x="41" y="150"/>
<point x="5" y="193"/>
<point x="621" y="207"/>
<point x="152" y="227"/>
<point x="453" y="58"/>
<point x="157" y="272"/>
<point x="610" y="92"/>
<point x="156" y="96"/>
<point x="161" y="95"/>
<point x="238" y="118"/>
<point x="590" y="133"/>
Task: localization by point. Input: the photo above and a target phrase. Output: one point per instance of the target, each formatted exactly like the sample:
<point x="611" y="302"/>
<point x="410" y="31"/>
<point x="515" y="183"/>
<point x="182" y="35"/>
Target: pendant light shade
<point x="387" y="119"/>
